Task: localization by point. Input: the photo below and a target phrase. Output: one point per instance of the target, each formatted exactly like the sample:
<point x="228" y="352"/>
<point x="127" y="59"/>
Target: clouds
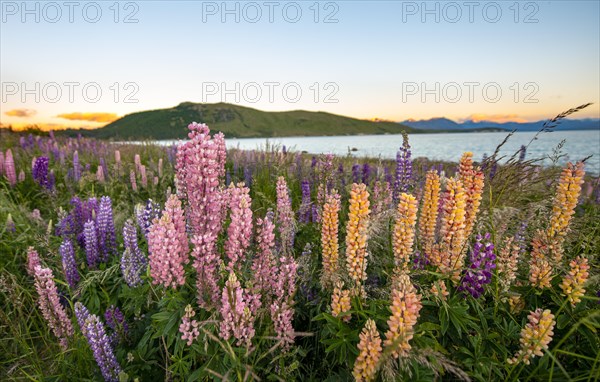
<point x="90" y="117"/>
<point x="22" y="113"/>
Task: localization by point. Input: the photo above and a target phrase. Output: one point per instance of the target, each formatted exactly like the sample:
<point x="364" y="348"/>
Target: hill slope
<point x="237" y="121"/>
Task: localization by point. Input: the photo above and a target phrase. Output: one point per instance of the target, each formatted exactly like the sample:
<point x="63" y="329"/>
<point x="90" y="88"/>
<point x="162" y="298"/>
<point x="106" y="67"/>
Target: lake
<point x="447" y="147"/>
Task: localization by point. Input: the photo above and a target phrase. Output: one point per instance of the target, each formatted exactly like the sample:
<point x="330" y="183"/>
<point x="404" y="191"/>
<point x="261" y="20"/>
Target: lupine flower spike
<point x="49" y="303"/>
<point x="406" y="305"/>
<point x="168" y="246"/>
<point x="365" y="366"/>
<point x="429" y="212"/>
<point x="404" y="230"/>
<point x="340" y="302"/>
<point x="189" y="326"/>
<point x="356" y="237"/>
<point x="573" y="283"/>
<point x="535" y="336"/>
<point x="329" y="239"/>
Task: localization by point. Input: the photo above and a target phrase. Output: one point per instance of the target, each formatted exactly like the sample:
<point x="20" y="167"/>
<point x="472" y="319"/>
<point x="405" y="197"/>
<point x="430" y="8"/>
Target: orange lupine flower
<point x="369" y="346"/>
<point x="406" y="304"/>
<point x="404" y="230"/>
<point x="329" y="238"/>
<point x="429" y="211"/>
<point x="547" y="250"/>
<point x="535" y="336"/>
<point x="448" y="255"/>
<point x="472" y="179"/>
<point x="506" y="263"/>
<point x="356" y="236"/>
<point x="340" y="302"/>
<point x="572" y="284"/>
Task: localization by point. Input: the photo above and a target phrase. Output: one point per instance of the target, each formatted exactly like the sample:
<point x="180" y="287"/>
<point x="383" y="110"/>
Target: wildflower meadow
<point x="202" y="262"/>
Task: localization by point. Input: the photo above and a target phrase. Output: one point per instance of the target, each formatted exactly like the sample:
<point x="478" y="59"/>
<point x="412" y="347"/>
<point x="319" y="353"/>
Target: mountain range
<point x="449" y="125"/>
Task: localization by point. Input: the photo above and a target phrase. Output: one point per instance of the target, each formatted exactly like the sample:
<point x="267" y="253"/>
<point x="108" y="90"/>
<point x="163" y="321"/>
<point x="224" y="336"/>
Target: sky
<point x="84" y="64"/>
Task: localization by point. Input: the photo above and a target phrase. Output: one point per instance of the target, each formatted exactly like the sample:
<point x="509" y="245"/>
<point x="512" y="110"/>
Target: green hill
<point x="237" y="121"/>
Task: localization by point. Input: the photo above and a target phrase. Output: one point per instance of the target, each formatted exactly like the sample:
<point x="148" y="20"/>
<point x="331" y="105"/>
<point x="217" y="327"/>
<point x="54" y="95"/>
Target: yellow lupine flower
<point x="329" y="238"/>
<point x="429" y="211"/>
<point x="547" y="250"/>
<point x="404" y="230"/>
<point x="472" y="180"/>
<point x="506" y="263"/>
<point x="535" y="336"/>
<point x="572" y="284"/>
<point x="356" y="236"/>
<point x="406" y="304"/>
<point x="365" y="366"/>
<point x="340" y="302"/>
<point x="439" y="290"/>
<point x="449" y="254"/>
<point x="567" y="193"/>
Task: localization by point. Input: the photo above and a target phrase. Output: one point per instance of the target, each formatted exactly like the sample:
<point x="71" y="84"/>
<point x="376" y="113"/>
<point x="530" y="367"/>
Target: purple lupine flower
<point x="356" y="173"/>
<point x="51" y="180"/>
<point x="522" y="153"/>
<point x="133" y="261"/>
<point x="366" y="173"/>
<point x="144" y="215"/>
<point x="91" y="243"/>
<point x="493" y="170"/>
<point x="94" y="331"/>
<point x="67" y="253"/>
<point x="10" y="224"/>
<point x="342" y="174"/>
<point x="76" y="167"/>
<point x="403" y="168"/>
<point x="388" y="174"/>
<point x="248" y="176"/>
<point x="520" y="236"/>
<point x="116" y="321"/>
<point x="106" y="229"/>
<point x="227" y="178"/>
<point x="479" y="272"/>
<point x="40" y="172"/>
<point x="304" y="213"/>
<point x="420" y="260"/>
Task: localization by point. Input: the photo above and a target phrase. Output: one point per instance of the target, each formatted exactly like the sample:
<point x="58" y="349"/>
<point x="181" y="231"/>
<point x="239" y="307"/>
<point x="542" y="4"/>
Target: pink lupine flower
<point x="189" y="326"/>
<point x="160" y="167"/>
<point x="199" y="170"/>
<point x="285" y="215"/>
<point x="33" y="260"/>
<point x="264" y="266"/>
<point x="137" y="161"/>
<point x="21" y="176"/>
<point x="168" y="246"/>
<point x="239" y="231"/>
<point x="9" y="168"/>
<point x="100" y="174"/>
<point x="1" y="162"/>
<point x="207" y="263"/>
<point x="49" y="303"/>
<point x="143" y="175"/>
<point x="237" y="318"/>
<point x="282" y="308"/>
<point x="133" y="181"/>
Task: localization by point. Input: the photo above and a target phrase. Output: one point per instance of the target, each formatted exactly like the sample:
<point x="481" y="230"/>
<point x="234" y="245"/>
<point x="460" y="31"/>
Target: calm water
<point x="448" y="147"/>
